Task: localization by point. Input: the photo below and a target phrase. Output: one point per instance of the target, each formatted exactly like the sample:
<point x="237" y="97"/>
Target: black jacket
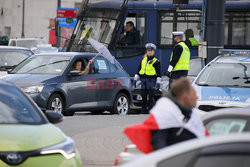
<point x="165" y="137"/>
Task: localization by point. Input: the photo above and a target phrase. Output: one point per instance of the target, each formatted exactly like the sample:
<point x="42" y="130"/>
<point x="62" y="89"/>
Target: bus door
<point x="174" y="20"/>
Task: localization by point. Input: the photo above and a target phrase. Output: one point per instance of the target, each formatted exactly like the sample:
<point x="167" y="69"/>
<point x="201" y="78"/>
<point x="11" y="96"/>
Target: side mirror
<point x="53" y="117"/>
<point x="74" y="73"/>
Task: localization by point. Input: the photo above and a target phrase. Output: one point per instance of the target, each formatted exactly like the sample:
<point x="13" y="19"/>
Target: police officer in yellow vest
<point x="179" y="61"/>
<point x="190" y="40"/>
<point x="149" y="72"/>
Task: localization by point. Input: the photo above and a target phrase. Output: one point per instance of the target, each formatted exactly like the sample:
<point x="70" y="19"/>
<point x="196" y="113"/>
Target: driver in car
<point x="78" y="66"/>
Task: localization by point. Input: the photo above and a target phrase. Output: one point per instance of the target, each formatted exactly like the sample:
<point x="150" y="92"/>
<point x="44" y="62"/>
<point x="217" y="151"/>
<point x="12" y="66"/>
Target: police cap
<point x="178" y="33"/>
<point x="150" y="46"/>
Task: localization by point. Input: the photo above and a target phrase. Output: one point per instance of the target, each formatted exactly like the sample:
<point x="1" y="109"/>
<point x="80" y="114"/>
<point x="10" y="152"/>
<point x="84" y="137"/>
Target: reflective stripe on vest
<point x="147" y="66"/>
<point x="193" y="41"/>
<point x="183" y="63"/>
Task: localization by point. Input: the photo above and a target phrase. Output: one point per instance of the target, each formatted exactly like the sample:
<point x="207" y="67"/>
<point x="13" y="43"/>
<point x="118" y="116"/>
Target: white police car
<point x="224" y="82"/>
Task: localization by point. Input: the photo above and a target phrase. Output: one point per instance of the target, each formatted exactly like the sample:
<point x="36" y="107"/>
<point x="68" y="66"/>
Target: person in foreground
<point x="171" y="120"/>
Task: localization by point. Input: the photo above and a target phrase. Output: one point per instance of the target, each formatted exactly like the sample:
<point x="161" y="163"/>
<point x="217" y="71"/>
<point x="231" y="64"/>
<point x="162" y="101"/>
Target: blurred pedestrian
<point x="171" y="120"/>
<point x="179" y="60"/>
<point x="149" y="72"/>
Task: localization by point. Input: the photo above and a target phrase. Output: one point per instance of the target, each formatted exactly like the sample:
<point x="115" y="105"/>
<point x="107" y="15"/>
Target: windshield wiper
<point x="45" y="65"/>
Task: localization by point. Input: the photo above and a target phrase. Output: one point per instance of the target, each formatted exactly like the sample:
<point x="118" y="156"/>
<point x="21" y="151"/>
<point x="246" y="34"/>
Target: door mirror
<point x="53" y="117"/>
<point x="74" y="73"/>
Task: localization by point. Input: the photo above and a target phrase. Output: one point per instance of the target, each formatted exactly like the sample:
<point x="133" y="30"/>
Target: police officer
<point x="190" y="40"/>
<point x="179" y="61"/>
<point x="149" y="72"/>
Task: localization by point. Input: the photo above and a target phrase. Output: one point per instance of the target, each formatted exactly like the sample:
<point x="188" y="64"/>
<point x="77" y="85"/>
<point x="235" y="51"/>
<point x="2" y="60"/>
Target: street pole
<point x="23" y="19"/>
<point x="215" y="27"/>
<point x="58" y="38"/>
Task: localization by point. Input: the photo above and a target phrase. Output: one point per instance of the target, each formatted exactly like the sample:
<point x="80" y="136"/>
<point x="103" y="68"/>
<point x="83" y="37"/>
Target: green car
<point x="27" y="137"/>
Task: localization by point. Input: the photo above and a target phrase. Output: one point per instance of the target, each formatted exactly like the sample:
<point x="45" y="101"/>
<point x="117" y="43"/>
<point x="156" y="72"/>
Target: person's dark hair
<point x="180" y="86"/>
<point x="130" y="23"/>
<point x="189" y="33"/>
<point x="74" y="64"/>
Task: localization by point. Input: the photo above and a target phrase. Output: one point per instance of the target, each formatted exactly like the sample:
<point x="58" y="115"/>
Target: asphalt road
<point x="99" y="138"/>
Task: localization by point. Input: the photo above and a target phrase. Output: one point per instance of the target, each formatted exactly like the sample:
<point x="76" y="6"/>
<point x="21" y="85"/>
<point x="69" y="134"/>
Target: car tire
<point x="121" y="105"/>
<point x="56" y="104"/>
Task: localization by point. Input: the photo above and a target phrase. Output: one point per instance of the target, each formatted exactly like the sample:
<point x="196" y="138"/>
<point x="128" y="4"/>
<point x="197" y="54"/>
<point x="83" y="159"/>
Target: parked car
<point x="50" y="81"/>
<point x="4" y="40"/>
<point x="44" y="49"/>
<point x="217" y="151"/>
<point x="224" y="82"/>
<point x="11" y="56"/>
<point x="217" y="122"/>
<point x="27" y="136"/>
<point x="27" y="42"/>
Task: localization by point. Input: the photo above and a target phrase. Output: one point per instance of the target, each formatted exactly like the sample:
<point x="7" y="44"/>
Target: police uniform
<point x="179" y="61"/>
<point x="149" y="72"/>
<point x="191" y="42"/>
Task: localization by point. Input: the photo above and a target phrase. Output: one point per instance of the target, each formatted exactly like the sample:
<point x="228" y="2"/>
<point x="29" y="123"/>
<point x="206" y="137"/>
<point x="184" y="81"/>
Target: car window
<point x="227" y="160"/>
<point x="113" y="68"/>
<point x="226" y="74"/>
<point x="101" y="66"/>
<point x="175" y="161"/>
<point x="226" y="126"/>
<point x="43" y="65"/>
<point x="15" y="108"/>
<point x="11" y="58"/>
<point x="195" y="67"/>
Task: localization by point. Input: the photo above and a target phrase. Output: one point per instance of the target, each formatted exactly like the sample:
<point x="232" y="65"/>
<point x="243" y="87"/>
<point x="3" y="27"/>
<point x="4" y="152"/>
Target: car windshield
<point x="97" y="24"/>
<point x="30" y="43"/>
<point x="43" y="65"/>
<point x="15" y="108"/>
<point x="225" y="75"/>
<point x="195" y="67"/>
<point x="11" y="58"/>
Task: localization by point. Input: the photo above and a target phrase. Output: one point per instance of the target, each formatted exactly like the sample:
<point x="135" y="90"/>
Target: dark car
<point x="11" y="56"/>
<point x="4" y="40"/>
<point x="51" y="82"/>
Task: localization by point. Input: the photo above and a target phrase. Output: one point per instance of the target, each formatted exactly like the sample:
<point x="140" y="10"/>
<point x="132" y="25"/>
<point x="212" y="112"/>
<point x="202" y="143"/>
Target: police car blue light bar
<point x="229" y="52"/>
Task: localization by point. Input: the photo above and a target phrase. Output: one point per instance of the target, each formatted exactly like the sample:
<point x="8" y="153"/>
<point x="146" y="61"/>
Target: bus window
<point x="132" y="38"/>
<point x="237" y="29"/>
<point x="179" y="21"/>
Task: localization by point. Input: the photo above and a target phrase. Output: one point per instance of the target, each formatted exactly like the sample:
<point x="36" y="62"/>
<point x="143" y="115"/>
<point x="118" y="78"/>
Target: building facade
<point x="37" y="16"/>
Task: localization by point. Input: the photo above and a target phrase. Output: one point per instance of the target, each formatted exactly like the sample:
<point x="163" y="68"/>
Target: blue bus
<point x="154" y="22"/>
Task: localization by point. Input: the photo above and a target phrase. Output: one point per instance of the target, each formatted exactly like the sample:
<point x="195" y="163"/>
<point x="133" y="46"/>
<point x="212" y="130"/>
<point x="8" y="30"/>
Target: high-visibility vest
<point x="193" y="41"/>
<point x="147" y="66"/>
<point x="183" y="63"/>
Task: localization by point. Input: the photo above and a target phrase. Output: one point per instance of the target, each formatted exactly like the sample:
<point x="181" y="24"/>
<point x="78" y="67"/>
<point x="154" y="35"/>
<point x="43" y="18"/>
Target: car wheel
<point x="121" y="104"/>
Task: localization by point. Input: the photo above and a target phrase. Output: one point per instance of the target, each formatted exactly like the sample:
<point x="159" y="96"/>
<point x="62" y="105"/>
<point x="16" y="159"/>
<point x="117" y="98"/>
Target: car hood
<point x="29" y="137"/>
<point x="206" y="93"/>
<point x="3" y="73"/>
<point x="23" y="80"/>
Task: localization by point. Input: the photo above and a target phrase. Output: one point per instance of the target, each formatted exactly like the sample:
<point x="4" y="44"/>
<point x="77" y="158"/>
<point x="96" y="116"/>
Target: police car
<point x="224" y="82"/>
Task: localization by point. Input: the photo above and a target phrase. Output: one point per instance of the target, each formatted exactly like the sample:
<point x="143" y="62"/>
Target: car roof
<point x="13" y="48"/>
<point x="24" y="39"/>
<point x="154" y="158"/>
<point x="227" y="112"/>
<point x="234" y="59"/>
<point x="71" y="54"/>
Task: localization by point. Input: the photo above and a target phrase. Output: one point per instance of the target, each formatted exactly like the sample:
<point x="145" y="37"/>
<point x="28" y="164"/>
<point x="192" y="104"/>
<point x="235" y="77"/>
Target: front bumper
<point x="54" y="160"/>
<point x="136" y="103"/>
<point x="210" y="105"/>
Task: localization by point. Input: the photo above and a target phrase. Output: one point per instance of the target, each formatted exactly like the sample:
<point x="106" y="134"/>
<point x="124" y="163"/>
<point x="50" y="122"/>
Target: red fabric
<point x="52" y="37"/>
<point x="206" y="132"/>
<point x="140" y="134"/>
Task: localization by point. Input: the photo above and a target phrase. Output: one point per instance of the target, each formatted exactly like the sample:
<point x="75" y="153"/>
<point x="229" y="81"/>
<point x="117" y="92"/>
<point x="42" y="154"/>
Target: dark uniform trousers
<point x="176" y="75"/>
<point x="147" y="91"/>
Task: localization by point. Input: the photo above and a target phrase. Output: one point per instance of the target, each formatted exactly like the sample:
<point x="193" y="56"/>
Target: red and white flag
<point x="164" y="115"/>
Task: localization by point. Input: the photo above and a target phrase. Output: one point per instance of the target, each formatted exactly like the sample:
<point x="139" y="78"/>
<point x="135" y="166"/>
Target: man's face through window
<point x="128" y="27"/>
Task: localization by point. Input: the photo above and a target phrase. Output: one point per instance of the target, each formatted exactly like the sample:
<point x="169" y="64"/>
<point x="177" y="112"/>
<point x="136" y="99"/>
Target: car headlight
<point x="66" y="148"/>
<point x="33" y="89"/>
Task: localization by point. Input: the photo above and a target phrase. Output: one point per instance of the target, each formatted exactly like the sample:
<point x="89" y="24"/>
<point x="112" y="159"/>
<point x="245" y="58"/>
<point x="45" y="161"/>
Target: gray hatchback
<point x="52" y="84"/>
